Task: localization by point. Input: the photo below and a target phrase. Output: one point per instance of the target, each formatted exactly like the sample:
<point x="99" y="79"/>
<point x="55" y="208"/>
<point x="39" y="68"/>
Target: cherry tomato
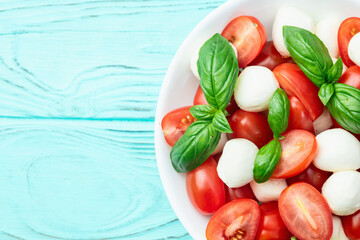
<point x="298" y="150"/>
<point x="350" y="77"/>
<point x="248" y="36"/>
<point x="312" y="175"/>
<point x="299" y="117"/>
<point x="240" y="192"/>
<point x="200" y="99"/>
<point x="271" y="225"/>
<point x="204" y="187"/>
<point x="238" y="219"/>
<point x="175" y="123"/>
<point x="295" y="83"/>
<point x="269" y="57"/>
<point x="351" y="225"/>
<point x="348" y="28"/>
<point x="305" y="212"/>
<point x="252" y="126"/>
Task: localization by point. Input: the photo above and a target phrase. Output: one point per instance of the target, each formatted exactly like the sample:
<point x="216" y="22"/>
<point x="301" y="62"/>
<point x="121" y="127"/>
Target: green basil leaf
<point x="266" y="161"/>
<point x="220" y="122"/>
<point x="279" y="110"/>
<point x="195" y="146"/>
<point x="308" y="52"/>
<point x="218" y="69"/>
<point x="203" y="112"/>
<point x="344" y="106"/>
<point x="325" y="93"/>
<point x="293" y="238"/>
<point x="335" y="72"/>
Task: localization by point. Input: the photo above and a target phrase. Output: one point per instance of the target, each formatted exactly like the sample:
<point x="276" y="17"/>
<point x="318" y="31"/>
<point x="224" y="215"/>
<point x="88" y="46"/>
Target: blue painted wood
<point x="79" y="82"/>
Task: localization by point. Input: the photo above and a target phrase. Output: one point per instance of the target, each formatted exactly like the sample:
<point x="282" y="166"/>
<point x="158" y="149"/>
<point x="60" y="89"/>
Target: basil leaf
<point x="266" y="161"/>
<point x="220" y="122"/>
<point x="218" y="69"/>
<point x="203" y="112"/>
<point x="325" y="93"/>
<point x="293" y="238"/>
<point x="344" y="106"/>
<point x="195" y="146"/>
<point x="335" y="72"/>
<point x="279" y="110"/>
<point x="308" y="52"/>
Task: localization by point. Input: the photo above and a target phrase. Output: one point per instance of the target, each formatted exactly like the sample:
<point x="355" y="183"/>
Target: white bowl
<point x="180" y="85"/>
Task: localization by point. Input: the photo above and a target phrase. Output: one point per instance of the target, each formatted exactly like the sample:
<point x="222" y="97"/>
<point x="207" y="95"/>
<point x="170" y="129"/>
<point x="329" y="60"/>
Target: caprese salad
<point x="271" y="146"/>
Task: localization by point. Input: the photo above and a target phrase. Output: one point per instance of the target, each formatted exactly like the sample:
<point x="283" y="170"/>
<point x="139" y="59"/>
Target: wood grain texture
<point x="79" y="82"/>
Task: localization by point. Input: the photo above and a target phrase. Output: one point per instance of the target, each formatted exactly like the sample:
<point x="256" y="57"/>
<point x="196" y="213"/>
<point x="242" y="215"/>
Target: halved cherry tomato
<point x="252" y="126"/>
<point x="305" y="212"/>
<point x="205" y="189"/>
<point x="240" y="192"/>
<point x="299" y="117"/>
<point x="298" y="150"/>
<point x="271" y="225"/>
<point x="200" y="99"/>
<point x="248" y="36"/>
<point x="348" y="28"/>
<point x="351" y="225"/>
<point x="312" y="175"/>
<point x="175" y="123"/>
<point x="238" y="219"/>
<point x="269" y="57"/>
<point x="295" y="83"/>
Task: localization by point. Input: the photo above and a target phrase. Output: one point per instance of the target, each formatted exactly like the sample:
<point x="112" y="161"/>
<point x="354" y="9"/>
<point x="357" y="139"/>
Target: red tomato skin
<point x="351" y="225"/>
<point x="200" y="99"/>
<point x="175" y="123"/>
<point x="205" y="189"/>
<point x="252" y="126"/>
<point x="312" y="175"/>
<point x="348" y="28"/>
<point x="299" y="117"/>
<point x="240" y="192"/>
<point x="269" y="57"/>
<point x="305" y="142"/>
<point x="294" y="82"/>
<point x="271" y="225"/>
<point x="254" y="38"/>
<point x="240" y="214"/>
<point x="294" y="197"/>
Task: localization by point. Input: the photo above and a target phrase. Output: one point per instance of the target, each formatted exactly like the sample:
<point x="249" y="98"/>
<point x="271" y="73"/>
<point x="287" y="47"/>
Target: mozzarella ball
<point x="354" y="49"/>
<point x="236" y="164"/>
<point x="269" y="190"/>
<point x="341" y="190"/>
<point x="338" y="231"/>
<point x="289" y="16"/>
<point x="337" y="150"/>
<point x="344" y="66"/>
<point x="223" y="139"/>
<point x="327" y="30"/>
<point x="195" y="58"/>
<point x="254" y="88"/>
<point x="323" y="122"/>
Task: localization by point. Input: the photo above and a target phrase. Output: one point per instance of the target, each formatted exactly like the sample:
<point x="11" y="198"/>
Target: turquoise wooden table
<point x="79" y="83"/>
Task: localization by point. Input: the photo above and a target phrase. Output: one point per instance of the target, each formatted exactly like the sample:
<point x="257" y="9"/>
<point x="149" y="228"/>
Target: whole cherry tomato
<point x="299" y="117"/>
<point x="351" y="225"/>
<point x="240" y="192"/>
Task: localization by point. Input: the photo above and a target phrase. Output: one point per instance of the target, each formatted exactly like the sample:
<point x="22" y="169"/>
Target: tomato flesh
<point x="240" y="192"/>
<point x="312" y="175"/>
<point x="351" y="225"/>
<point x="294" y="82"/>
<point x="204" y="187"/>
<point x="348" y="28"/>
<point x="252" y="126"/>
<point x="175" y="123"/>
<point x="238" y="219"/>
<point x="248" y="36"/>
<point x="299" y="117"/>
<point x="269" y="57"/>
<point x="271" y="225"/>
<point x="298" y="151"/>
<point x="305" y="212"/>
